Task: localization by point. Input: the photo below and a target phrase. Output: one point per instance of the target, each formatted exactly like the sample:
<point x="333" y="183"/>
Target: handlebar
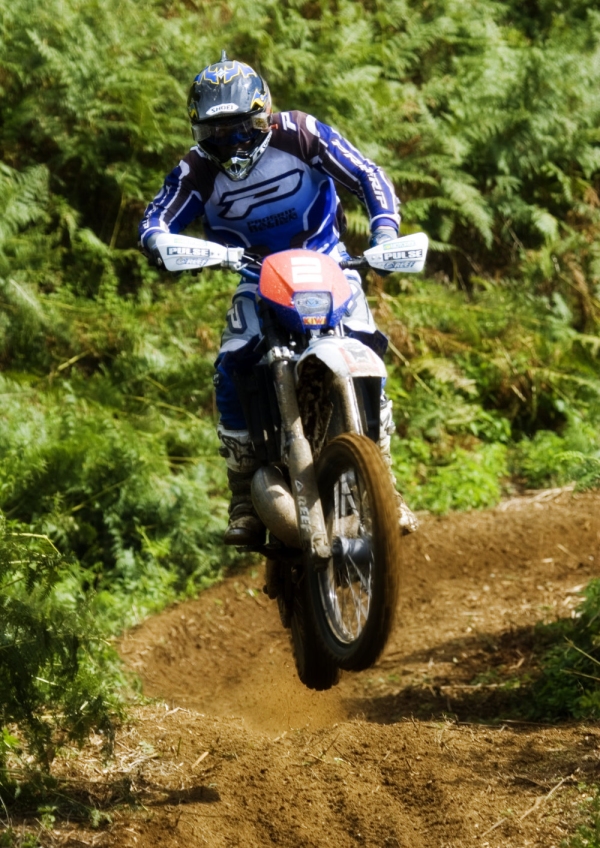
<point x="184" y="253"/>
<point x="359" y="263"/>
<point x="356" y="263"/>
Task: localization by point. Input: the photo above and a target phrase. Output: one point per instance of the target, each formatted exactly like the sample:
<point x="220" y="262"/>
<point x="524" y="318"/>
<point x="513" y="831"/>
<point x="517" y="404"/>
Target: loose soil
<point x="415" y="752"/>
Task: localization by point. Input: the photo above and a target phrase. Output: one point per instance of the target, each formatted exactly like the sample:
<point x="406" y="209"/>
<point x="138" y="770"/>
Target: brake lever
<point x="250" y="260"/>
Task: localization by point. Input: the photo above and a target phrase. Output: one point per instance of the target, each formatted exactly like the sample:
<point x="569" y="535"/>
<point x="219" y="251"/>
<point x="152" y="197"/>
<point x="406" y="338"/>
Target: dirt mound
<point x="244" y="755"/>
<point x="468" y="579"/>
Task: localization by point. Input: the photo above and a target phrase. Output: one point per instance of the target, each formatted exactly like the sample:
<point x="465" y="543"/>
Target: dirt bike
<point x="311" y="395"/>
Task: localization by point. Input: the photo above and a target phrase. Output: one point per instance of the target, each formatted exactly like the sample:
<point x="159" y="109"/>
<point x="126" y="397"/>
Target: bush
<point x="588" y="833"/>
<point x="570" y="681"/>
<point x="550" y="459"/>
<point x="459" y="480"/>
<point x="57" y="674"/>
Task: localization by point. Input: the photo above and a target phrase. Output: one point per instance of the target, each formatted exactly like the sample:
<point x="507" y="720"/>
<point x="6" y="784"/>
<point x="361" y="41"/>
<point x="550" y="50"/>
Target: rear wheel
<point x="279" y="587"/>
<point x="354" y="598"/>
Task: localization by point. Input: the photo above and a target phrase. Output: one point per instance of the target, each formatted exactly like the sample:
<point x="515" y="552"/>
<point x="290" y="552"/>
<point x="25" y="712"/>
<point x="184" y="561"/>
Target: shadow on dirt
<point x="193" y="795"/>
<point x="432" y="701"/>
<point x="480" y="678"/>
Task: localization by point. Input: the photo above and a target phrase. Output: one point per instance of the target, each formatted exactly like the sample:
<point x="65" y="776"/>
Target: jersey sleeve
<point x="176" y="205"/>
<point x="346" y="165"/>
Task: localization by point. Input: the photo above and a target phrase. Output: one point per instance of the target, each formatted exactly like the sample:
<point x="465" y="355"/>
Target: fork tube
<point x="351" y="412"/>
<point x="309" y="510"/>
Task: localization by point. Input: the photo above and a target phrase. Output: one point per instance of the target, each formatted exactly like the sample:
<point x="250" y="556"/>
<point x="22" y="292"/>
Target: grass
<point x="587" y="834"/>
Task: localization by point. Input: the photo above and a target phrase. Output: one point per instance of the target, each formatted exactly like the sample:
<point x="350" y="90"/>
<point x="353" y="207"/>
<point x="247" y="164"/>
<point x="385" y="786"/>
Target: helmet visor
<point x="231" y="133"/>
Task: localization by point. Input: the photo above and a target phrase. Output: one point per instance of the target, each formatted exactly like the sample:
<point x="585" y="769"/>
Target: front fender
<point x="343" y="356"/>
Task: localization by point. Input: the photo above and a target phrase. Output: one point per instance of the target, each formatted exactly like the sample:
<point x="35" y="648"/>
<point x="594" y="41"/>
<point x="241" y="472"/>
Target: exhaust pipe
<point x="275" y="505"/>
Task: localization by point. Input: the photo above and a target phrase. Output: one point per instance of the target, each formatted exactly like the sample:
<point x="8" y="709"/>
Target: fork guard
<point x="345" y="357"/>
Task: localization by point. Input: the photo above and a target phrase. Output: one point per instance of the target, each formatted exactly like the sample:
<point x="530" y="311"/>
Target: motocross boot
<point x="406" y="518"/>
<point x="245" y="529"/>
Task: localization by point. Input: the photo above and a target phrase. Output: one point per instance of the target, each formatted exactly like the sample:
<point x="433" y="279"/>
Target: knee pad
<point x="238" y="450"/>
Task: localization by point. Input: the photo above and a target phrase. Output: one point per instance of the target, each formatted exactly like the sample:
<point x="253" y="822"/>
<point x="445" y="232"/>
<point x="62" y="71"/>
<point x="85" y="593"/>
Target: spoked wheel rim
<point x="346" y="584"/>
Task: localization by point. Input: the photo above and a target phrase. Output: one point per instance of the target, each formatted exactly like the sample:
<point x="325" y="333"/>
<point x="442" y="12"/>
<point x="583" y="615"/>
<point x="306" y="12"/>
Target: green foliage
<point x="569" y="684"/>
<point x="486" y="119"/>
<point x="115" y="464"/>
<point x="458" y="479"/>
<point x="493" y="390"/>
<point x="107" y="446"/>
<point x="552" y="460"/>
<point x="90" y="89"/>
<point x="51" y="653"/>
<point x="9" y="838"/>
<point x="588" y="833"/>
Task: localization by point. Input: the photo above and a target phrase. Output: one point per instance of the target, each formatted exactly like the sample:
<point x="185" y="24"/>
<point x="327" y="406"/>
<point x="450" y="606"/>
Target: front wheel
<point x="316" y="669"/>
<point x="354" y="598"/>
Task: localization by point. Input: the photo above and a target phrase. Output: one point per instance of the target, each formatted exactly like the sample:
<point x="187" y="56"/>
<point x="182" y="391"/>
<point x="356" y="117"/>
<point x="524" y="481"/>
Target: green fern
<point x="50" y="654"/>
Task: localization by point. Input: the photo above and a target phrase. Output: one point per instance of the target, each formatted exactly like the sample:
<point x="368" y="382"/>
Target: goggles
<point x="231" y="133"/>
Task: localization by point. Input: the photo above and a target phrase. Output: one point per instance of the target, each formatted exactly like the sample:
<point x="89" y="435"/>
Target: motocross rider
<point x="266" y="182"/>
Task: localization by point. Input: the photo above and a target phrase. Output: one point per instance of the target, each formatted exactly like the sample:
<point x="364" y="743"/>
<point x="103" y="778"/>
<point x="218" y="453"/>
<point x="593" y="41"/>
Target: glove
<point x="152" y="253"/>
<point x="379" y="236"/>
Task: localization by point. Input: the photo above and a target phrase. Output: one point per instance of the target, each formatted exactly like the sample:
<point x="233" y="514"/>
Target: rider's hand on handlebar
<point x="379" y="236"/>
<point x="152" y="253"/>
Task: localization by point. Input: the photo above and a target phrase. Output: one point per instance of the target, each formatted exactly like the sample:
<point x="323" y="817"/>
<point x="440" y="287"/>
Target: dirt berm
<point x="416" y="752"/>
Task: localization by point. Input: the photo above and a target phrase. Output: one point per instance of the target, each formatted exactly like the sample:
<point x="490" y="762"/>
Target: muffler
<point x="275" y="505"/>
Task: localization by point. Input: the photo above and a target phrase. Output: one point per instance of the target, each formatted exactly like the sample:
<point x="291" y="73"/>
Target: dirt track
<point x="409" y="753"/>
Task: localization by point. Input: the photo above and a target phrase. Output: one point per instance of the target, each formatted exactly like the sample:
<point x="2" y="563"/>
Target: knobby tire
<point x="373" y="512"/>
<point x="316" y="669"/>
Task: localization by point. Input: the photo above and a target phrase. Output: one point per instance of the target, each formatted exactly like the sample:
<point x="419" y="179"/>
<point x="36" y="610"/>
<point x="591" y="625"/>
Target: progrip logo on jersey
<point x="238" y="204"/>
<point x="224" y="72"/>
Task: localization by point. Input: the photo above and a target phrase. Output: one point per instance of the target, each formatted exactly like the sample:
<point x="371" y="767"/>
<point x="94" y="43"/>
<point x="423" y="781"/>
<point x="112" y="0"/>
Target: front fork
<point x="309" y="511"/>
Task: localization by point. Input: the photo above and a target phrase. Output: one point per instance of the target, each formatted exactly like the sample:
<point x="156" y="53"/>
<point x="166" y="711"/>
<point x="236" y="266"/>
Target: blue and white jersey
<point x="287" y="201"/>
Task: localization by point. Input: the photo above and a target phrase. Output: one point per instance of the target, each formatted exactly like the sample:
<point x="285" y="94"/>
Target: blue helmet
<point x="229" y="106"/>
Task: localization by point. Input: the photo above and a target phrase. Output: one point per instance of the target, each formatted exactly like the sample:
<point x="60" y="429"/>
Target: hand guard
<point x="152" y="254"/>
